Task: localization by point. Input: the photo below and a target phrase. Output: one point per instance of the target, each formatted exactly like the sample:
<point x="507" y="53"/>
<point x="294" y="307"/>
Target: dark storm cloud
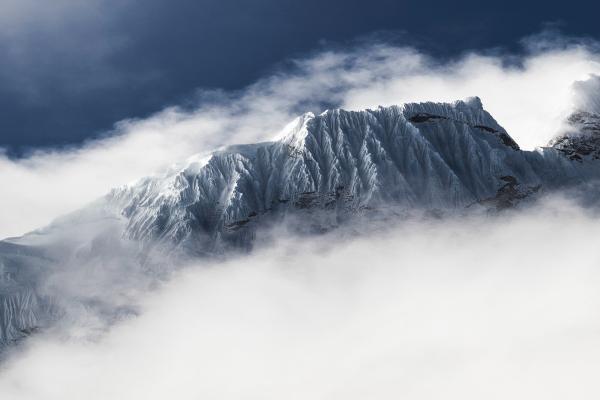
<point x="71" y="69"/>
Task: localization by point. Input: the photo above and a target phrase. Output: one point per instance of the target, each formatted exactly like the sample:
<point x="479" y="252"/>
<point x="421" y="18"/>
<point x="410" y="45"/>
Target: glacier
<point x="320" y="173"/>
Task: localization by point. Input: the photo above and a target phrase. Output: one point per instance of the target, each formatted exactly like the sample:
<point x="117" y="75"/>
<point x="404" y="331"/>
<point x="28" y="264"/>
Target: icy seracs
<point x="322" y="171"/>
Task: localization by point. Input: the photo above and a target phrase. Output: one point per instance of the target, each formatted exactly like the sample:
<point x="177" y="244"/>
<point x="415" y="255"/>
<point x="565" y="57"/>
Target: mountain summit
<point x="416" y="156"/>
<point x="322" y="172"/>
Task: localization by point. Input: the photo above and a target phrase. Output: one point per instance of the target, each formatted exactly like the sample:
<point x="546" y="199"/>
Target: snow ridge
<point x="320" y="172"/>
<point x="426" y="156"/>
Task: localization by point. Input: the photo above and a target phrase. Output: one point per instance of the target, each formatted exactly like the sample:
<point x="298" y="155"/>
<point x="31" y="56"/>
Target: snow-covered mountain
<point x="418" y="156"/>
<point x="323" y="171"/>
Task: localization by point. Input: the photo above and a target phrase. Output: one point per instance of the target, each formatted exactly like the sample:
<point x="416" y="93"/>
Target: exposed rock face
<point x="510" y="194"/>
<point x="323" y="171"/>
<point x="583" y="140"/>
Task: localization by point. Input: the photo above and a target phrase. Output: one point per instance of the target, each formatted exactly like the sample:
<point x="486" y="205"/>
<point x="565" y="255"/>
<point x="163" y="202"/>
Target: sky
<point x="71" y="70"/>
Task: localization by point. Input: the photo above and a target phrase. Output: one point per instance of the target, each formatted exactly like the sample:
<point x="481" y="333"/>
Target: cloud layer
<point x="459" y="309"/>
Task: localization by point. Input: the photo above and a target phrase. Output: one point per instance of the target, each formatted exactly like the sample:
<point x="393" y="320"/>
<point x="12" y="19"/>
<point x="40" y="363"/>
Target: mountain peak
<point x="322" y="172"/>
<point x="474" y="102"/>
<point x="414" y="156"/>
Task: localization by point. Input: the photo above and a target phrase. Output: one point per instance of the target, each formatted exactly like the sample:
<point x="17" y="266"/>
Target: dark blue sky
<point x="70" y="71"/>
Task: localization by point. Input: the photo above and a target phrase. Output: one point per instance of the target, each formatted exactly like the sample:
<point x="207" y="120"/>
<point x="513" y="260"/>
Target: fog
<point x="463" y="308"/>
<point x="529" y="93"/>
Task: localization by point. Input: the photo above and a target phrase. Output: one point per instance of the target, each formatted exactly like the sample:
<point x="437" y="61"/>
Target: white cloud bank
<point x="529" y="95"/>
<point x="461" y="309"/>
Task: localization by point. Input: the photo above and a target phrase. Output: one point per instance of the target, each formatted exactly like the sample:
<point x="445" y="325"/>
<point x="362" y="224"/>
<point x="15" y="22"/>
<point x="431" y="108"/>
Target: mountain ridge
<point x="321" y="172"/>
<point x="426" y="155"/>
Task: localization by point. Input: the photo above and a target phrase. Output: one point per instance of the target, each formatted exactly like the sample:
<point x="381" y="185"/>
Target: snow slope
<point x="321" y="172"/>
<point x="418" y="156"/>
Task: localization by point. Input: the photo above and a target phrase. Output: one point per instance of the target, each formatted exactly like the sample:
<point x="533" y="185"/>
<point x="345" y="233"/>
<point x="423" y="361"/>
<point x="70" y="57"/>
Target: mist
<point x="499" y="307"/>
<point x="529" y="93"/>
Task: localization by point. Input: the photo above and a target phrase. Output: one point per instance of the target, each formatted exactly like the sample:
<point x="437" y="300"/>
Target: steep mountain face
<point x="322" y="172"/>
<point x="418" y="156"/>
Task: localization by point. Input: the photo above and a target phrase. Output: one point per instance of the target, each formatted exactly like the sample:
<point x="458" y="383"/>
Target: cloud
<point x="461" y="309"/>
<point x="529" y="94"/>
